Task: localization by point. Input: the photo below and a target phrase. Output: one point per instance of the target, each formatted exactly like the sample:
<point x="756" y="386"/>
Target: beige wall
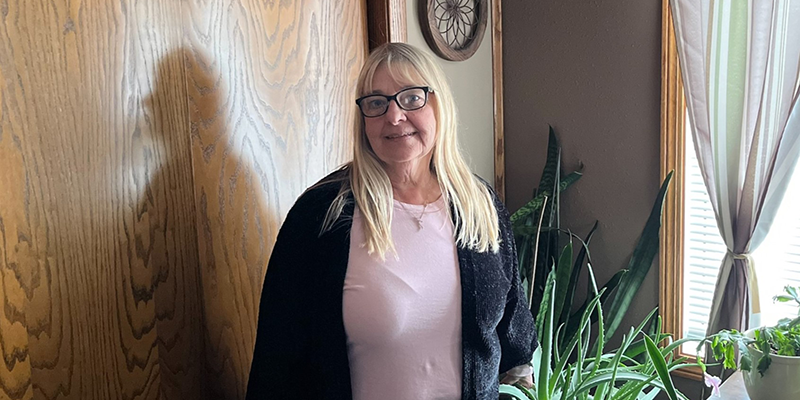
<point x="592" y="70"/>
<point x="471" y="81"/>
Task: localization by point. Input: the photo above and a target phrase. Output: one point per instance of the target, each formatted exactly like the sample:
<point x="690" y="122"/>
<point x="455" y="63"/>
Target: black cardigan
<point x="301" y="345"/>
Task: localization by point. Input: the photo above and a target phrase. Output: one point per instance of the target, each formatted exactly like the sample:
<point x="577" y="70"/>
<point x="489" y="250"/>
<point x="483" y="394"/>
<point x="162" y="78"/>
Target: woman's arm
<point x="516" y="330"/>
<point x="282" y="338"/>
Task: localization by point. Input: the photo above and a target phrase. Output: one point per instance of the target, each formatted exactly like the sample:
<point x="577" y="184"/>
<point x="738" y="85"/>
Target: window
<point x="691" y="248"/>
<point x="777" y="260"/>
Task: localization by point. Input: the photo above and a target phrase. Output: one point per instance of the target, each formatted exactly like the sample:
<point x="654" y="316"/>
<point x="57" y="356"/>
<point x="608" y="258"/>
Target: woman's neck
<point x="414" y="187"/>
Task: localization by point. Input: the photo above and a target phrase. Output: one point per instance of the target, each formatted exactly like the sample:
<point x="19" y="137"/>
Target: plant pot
<point x="781" y="381"/>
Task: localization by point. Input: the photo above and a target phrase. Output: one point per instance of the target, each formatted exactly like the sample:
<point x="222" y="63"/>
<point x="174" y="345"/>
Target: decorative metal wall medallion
<point x="453" y="28"/>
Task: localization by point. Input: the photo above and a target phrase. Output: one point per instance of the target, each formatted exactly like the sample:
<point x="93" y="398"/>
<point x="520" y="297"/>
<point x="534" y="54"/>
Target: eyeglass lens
<point x="408" y="99"/>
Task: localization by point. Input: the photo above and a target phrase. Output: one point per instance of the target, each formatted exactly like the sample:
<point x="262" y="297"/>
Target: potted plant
<point x="537" y="231"/>
<point x="638" y="370"/>
<point x="571" y="362"/>
<point x="770" y="356"/>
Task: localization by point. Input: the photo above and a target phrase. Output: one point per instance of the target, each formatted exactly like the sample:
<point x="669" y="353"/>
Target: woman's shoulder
<point x="321" y="194"/>
<point x="490" y="189"/>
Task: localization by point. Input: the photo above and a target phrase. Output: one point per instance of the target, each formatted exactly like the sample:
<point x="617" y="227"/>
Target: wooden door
<point x="148" y="152"/>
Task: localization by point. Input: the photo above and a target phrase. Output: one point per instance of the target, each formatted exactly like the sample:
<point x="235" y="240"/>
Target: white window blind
<point x="777" y="260"/>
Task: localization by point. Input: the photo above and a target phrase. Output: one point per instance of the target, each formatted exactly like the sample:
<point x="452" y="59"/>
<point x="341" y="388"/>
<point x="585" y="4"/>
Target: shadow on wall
<point x="163" y="258"/>
<point x="236" y="224"/>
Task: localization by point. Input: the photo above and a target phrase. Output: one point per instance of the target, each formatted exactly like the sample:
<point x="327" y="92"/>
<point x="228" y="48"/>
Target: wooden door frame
<point x="386" y="22"/>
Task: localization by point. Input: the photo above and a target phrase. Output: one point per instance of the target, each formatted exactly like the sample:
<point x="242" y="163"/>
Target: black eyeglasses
<point x="408" y="99"/>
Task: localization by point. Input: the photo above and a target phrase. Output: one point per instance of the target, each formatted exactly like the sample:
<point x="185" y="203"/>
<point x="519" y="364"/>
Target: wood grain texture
<point x="149" y="151"/>
<point x="386" y="22"/>
<point x="271" y="88"/>
<point x="673" y="108"/>
<point x="497" y="95"/>
<point x="98" y="250"/>
<point x="426" y="12"/>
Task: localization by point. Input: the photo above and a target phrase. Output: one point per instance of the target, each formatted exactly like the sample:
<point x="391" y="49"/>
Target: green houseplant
<point x="638" y="370"/>
<point x="769" y="356"/>
<point x="568" y="364"/>
<point x="537" y="231"/>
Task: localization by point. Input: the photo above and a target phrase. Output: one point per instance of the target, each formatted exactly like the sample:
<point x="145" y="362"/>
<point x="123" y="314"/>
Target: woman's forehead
<point x="399" y="74"/>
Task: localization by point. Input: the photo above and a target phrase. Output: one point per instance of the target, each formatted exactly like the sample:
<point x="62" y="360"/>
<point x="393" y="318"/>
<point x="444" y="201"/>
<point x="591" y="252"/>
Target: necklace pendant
<point x="419" y="223"/>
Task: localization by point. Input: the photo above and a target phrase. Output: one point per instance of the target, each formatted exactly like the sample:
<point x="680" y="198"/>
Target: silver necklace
<point x="414" y="217"/>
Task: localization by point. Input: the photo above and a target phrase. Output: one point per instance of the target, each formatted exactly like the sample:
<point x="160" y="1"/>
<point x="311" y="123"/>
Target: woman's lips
<point x="400" y="135"/>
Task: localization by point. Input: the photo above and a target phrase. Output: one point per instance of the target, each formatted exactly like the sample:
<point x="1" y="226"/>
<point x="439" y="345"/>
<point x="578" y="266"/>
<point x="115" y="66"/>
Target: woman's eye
<point x="376" y="103"/>
<point x="412" y="99"/>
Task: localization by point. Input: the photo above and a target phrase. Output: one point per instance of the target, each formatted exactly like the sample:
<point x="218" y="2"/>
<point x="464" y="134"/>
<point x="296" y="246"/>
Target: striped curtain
<point x="740" y="62"/>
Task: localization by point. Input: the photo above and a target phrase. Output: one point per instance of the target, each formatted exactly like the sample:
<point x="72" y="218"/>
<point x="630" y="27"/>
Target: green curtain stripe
<point x="734" y="112"/>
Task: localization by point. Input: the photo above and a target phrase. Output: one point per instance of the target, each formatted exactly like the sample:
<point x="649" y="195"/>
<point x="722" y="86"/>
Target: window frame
<point x="673" y="141"/>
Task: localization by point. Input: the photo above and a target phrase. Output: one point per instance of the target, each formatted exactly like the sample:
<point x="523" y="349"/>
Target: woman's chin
<point x="402" y="159"/>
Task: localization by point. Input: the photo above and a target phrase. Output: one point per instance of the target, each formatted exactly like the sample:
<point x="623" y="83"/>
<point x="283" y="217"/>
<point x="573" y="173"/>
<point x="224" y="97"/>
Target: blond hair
<point x="475" y="216"/>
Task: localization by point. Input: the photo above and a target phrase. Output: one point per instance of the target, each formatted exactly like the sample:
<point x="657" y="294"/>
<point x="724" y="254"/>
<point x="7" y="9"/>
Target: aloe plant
<point x="596" y="374"/>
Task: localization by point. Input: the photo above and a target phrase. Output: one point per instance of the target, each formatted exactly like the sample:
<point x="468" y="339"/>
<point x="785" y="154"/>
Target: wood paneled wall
<point x="148" y="153"/>
<point x="271" y="88"/>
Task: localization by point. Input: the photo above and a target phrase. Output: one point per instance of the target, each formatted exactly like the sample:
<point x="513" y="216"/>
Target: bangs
<point x="401" y="71"/>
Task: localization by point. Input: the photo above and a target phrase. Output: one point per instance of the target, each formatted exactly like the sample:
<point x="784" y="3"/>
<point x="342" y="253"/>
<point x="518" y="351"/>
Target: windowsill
<point x="732" y="388"/>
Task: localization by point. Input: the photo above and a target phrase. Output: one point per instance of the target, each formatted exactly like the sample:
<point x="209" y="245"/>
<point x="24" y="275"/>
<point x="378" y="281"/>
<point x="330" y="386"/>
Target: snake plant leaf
<point x="563" y="277"/>
<point x="609" y="287"/>
<point x="532" y="207"/>
<point x="639" y="265"/>
<point x="552" y="165"/>
<point x="547" y="247"/>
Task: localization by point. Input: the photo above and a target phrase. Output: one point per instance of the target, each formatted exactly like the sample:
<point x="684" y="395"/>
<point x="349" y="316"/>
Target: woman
<point x="394" y="277"/>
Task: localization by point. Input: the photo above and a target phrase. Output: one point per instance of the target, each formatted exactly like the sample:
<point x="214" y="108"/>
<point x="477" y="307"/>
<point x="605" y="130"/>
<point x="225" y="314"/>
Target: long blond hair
<point x="475" y="216"/>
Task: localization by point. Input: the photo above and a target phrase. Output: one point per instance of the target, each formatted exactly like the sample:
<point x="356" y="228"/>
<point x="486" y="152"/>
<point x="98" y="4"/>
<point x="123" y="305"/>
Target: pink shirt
<point x="403" y="315"/>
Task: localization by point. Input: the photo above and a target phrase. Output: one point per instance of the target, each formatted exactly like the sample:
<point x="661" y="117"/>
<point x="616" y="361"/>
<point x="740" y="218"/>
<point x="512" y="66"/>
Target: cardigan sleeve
<point x="516" y="330"/>
<point x="282" y="338"/>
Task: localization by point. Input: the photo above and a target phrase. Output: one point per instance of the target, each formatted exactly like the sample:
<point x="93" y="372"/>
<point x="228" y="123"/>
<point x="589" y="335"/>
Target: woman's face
<point x="400" y="137"/>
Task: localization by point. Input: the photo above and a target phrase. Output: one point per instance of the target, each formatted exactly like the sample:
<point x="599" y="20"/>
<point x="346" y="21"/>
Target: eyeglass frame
<point x="426" y="89"/>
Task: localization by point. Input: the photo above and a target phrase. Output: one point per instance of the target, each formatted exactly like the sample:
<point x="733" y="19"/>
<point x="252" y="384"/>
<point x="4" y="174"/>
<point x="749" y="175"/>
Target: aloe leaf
<point x="577" y="340"/>
<point x="610" y="286"/>
<point x="545" y="304"/>
<point x="618" y="356"/>
<point x="543" y="387"/>
<point x="628" y="389"/>
<point x="661" y="367"/>
<point x="573" y="284"/>
<point x="606" y="377"/>
<point x="565" y="384"/>
<point x="514" y="391"/>
<point x="536" y="362"/>
<point x="650" y="395"/>
<point x="639" y="265"/>
<point x="636" y="348"/>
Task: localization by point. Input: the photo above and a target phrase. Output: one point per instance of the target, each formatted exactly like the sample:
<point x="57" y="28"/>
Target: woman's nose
<point x="395" y="114"/>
